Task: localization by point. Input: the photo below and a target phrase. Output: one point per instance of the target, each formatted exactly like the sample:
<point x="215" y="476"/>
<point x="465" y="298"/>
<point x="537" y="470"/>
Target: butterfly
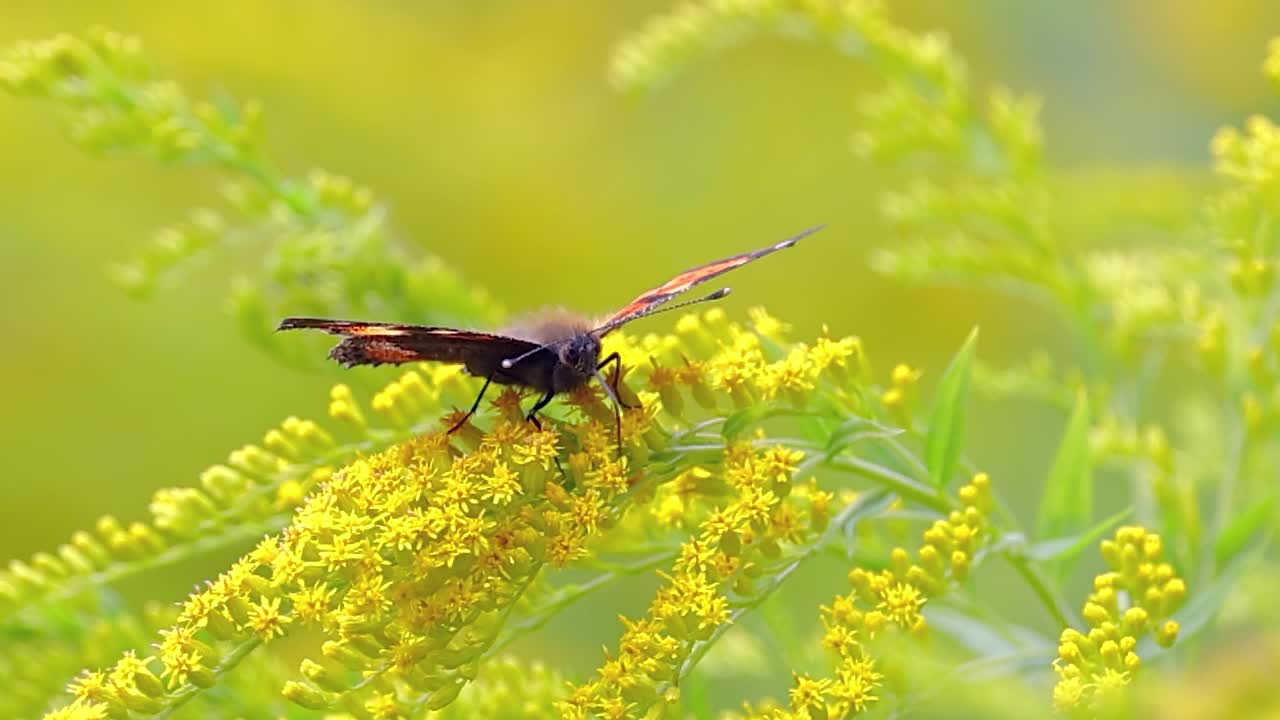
<point x="550" y="352"/>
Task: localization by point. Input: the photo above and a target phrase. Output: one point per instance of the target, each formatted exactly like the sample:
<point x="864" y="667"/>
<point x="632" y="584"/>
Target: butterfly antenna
<point x="663" y="308"/>
<point x="508" y="363"/>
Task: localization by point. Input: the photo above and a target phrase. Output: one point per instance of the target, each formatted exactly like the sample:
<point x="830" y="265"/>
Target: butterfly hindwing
<point x="367" y="343"/>
<point x="677" y="285"/>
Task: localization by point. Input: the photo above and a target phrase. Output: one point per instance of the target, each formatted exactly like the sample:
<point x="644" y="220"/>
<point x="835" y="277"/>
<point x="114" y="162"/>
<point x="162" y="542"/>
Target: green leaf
<point x="695" y="698"/>
<point x="949" y="416"/>
<point x="1243" y="529"/>
<point x="740" y="421"/>
<point x="1205" y="602"/>
<point x="1067" y="505"/>
<point x="857" y="429"/>
<point x="980" y="636"/>
<point x="1064" y="549"/>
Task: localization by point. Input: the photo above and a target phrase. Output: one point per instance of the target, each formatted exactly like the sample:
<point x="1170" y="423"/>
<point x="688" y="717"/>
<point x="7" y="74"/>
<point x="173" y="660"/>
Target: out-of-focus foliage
<point x="401" y="571"/>
<point x="326" y="248"/>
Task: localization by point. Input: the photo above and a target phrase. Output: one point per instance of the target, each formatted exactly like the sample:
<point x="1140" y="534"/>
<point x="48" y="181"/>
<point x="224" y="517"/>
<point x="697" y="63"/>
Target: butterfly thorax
<point x="570" y="358"/>
<point x="549" y="325"/>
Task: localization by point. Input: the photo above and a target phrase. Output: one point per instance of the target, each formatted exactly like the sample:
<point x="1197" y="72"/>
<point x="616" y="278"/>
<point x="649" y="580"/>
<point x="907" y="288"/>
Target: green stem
<point x="909" y="489"/>
<point x="1034" y="577"/>
<point x="185" y="693"/>
<point x="571" y="594"/>
<point x="892" y="480"/>
<point x="1231" y="465"/>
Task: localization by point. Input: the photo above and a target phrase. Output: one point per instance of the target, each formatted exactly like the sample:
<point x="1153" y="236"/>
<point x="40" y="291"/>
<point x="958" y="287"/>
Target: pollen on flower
<point x="731" y="367"/>
<point x="180" y="664"/>
<point x="808" y="693"/>
<point x="266" y="619"/>
<point x="92" y="686"/>
<point x="855" y="685"/>
<point x="538" y="449"/>
<point x="501" y="485"/>
<point x="835" y="357"/>
<point x="312" y="604"/>
<point x="901" y="602"/>
<point x="792" y="377"/>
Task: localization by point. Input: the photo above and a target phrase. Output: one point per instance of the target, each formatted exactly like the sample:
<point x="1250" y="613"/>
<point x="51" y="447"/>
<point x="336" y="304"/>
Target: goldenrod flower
<point x="451" y="531"/>
<point x="692" y="604"/>
<point x="1131" y="600"/>
<point x="881" y="601"/>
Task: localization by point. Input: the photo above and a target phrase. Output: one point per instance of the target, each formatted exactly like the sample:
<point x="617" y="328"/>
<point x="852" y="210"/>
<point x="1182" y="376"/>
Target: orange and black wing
<point x="650" y="301"/>
<point x="368" y="343"/>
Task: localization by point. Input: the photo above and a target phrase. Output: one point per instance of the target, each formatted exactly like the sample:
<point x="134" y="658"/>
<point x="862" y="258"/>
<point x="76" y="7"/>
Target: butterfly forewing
<point x="677" y="285"/>
<point x="366" y="343"/>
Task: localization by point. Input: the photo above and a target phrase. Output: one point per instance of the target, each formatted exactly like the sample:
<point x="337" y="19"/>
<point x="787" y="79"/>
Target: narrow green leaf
<point x="1204" y="602"/>
<point x="949" y="417"/>
<point x="744" y="420"/>
<point x="695" y="697"/>
<point x="857" y="429"/>
<point x="980" y="636"/>
<point x="1064" y="549"/>
<point x="1242" y="530"/>
<point x="1067" y="505"/>
<point x="740" y="421"/>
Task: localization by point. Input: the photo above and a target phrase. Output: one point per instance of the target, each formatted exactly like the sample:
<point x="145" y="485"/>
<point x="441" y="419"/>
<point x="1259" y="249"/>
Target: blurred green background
<point x="489" y="129"/>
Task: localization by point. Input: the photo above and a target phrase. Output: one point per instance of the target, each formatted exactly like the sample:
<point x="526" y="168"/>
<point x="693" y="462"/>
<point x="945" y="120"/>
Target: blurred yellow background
<point x="490" y="131"/>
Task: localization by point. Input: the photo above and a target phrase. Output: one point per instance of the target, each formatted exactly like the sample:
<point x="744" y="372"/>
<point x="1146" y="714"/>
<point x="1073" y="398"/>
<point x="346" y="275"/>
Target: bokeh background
<point x="491" y="132"/>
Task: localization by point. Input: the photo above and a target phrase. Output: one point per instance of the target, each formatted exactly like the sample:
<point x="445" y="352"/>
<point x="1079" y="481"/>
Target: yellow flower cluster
<point x="734" y="545"/>
<point x="1136" y="597"/>
<point x="406" y="561"/>
<point x="741" y="369"/>
<point x="889" y="598"/>
<point x="409" y="562"/>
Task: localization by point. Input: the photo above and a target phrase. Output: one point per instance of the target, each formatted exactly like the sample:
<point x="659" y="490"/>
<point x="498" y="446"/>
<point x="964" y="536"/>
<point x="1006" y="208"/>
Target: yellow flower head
<point x="1131" y="600"/>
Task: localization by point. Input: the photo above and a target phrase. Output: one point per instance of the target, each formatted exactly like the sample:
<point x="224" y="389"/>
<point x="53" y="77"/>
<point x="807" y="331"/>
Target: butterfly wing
<point x="650" y="301"/>
<point x="368" y="343"/>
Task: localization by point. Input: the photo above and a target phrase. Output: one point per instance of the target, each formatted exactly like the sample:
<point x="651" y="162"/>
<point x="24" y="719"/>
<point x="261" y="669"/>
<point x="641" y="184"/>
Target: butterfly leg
<point x="474" y="406"/>
<point x="533" y="418"/>
<point x="533" y="411"/>
<point x="616" y="359"/>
